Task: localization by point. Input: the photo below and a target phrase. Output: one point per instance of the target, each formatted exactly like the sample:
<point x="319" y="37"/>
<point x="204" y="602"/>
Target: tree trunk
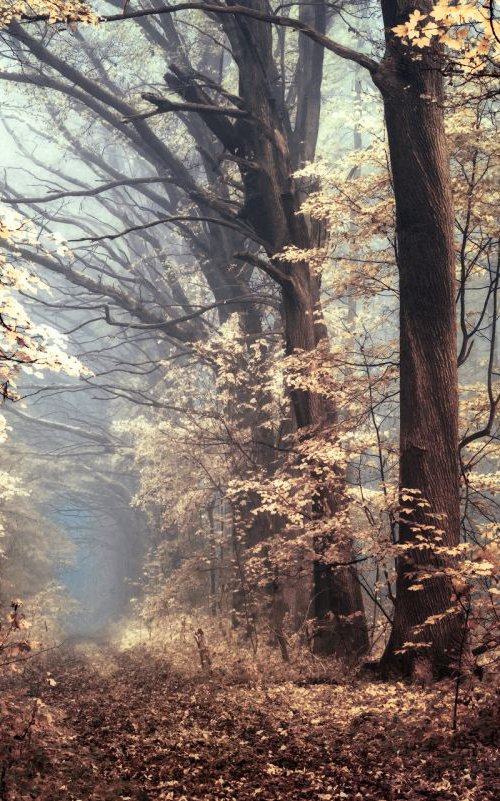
<point x="413" y="94"/>
<point x="340" y="628"/>
<point x="268" y="148"/>
<point x="272" y="208"/>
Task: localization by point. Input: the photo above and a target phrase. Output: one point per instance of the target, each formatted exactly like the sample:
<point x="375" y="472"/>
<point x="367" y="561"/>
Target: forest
<point x="249" y="400"/>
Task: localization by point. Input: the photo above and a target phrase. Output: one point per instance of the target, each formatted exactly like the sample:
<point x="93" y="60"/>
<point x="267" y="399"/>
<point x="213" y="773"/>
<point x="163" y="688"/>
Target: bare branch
<point x="89" y="192"/>
<point x="493" y="401"/>
<point x="64" y="427"/>
<point x="210" y="8"/>
<point x="163" y="106"/>
<point x="235" y="226"/>
<point x="197" y="313"/>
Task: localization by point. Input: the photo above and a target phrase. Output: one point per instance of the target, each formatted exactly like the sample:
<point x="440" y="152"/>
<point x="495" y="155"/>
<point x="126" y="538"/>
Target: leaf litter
<point x="127" y="726"/>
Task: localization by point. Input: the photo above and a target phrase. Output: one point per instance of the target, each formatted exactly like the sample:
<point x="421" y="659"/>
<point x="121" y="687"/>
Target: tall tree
<point x="269" y="143"/>
<point x="411" y="85"/>
<point x="412" y="89"/>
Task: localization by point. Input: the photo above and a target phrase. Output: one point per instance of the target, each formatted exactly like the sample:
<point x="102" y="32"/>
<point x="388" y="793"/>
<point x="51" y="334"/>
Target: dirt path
<point x="124" y="726"/>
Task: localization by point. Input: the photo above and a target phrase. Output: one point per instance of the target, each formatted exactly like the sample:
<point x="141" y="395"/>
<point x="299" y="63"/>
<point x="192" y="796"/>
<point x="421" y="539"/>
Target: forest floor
<point x="98" y="724"/>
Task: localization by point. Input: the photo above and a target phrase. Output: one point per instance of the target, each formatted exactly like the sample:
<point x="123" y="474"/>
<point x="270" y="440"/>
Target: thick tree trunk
<point x="413" y="94"/>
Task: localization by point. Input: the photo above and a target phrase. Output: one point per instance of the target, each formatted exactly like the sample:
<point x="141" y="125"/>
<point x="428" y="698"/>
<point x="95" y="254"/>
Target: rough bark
<point x="413" y="99"/>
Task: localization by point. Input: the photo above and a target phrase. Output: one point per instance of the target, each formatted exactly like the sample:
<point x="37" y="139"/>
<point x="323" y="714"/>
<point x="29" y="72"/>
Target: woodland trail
<point x="124" y="726"/>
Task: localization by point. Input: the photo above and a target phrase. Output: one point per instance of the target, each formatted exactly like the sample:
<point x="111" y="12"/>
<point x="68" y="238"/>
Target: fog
<point x="64" y="140"/>
<point x="142" y="226"/>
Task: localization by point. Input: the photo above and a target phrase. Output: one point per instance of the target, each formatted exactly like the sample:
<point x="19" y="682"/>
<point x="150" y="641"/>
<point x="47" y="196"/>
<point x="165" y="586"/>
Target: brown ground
<point x="119" y="726"/>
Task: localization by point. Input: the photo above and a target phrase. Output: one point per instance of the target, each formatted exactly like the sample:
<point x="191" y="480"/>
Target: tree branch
<point x="194" y="314"/>
<point x="101" y="439"/>
<point x="493" y="401"/>
<point x="263" y="264"/>
<point x="163" y="106"/>
<point x="286" y="22"/>
<point x="235" y="226"/>
<point x="87" y="192"/>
